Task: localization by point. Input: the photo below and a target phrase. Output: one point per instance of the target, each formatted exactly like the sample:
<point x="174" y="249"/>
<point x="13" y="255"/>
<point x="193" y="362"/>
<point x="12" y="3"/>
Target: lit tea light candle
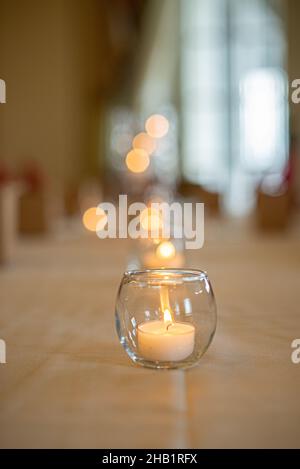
<point x="166" y="340"/>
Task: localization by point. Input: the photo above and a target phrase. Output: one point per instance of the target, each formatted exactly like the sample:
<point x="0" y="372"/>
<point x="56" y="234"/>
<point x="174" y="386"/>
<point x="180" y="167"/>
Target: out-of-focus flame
<point x="166" y="250"/>
<point x="137" y="160"/>
<point x="151" y="219"/>
<point x="94" y="219"/>
<point x="157" y="126"/>
<point x="145" y="142"/>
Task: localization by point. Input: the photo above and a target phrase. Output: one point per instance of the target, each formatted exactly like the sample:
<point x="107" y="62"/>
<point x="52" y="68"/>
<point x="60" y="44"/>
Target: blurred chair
<point x="34" y="214"/>
<point x="9" y="193"/>
<point x="71" y="200"/>
<point x="197" y="192"/>
<point x="273" y="210"/>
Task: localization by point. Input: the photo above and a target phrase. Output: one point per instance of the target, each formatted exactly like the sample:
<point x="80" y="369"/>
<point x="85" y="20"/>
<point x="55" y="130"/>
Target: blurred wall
<point x="54" y="57"/>
<point x="157" y="63"/>
<point x="294" y="56"/>
<point x="293" y="18"/>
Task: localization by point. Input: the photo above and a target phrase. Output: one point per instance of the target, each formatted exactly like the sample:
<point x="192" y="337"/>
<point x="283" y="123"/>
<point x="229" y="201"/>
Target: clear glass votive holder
<point x="165" y="318"/>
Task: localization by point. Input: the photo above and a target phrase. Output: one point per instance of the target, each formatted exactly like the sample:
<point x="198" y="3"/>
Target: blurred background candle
<point x="164" y="254"/>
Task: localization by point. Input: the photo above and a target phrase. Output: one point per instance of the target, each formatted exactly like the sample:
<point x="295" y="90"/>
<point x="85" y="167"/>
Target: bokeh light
<point x="94" y="219"/>
<point x="166" y="250"/>
<point x="157" y="126"/>
<point x="137" y="160"/>
<point x="151" y="219"/>
<point x="145" y="142"/>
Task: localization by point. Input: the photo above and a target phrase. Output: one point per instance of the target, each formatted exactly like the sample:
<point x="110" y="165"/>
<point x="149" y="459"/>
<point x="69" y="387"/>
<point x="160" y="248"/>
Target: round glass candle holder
<point x="165" y="318"/>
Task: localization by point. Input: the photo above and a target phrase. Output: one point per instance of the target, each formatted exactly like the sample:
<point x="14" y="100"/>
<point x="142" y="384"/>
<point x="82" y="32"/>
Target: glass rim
<point x="186" y="275"/>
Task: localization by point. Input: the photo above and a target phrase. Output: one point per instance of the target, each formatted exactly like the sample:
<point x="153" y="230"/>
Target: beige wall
<point x="52" y="57"/>
<point x="293" y="31"/>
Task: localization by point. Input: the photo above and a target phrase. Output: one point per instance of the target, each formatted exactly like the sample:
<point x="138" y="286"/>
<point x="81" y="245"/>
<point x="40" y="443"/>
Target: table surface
<point x="68" y="383"/>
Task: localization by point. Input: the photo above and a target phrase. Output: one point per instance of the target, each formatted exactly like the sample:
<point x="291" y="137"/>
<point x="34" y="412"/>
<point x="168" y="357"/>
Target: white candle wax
<point x="157" y="342"/>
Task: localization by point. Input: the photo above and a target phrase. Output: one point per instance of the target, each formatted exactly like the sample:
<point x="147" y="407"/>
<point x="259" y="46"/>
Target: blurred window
<point x="233" y="94"/>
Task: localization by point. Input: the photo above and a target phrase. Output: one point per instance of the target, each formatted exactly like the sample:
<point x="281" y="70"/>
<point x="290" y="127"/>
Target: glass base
<point x="159" y="365"/>
<point x="164" y="365"/>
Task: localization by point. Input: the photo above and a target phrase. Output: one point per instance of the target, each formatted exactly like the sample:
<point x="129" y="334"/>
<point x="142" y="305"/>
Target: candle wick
<point x="169" y="326"/>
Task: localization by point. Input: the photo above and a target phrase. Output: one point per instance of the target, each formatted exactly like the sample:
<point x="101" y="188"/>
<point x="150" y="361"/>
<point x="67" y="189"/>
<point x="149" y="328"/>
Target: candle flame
<point x="167" y="317"/>
<point x="165" y="305"/>
<point x="164" y="298"/>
